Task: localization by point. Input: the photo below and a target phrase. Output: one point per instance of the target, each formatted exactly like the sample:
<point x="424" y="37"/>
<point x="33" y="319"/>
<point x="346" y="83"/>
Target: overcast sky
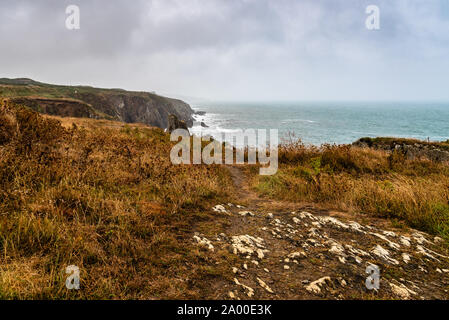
<point x="234" y="49"/>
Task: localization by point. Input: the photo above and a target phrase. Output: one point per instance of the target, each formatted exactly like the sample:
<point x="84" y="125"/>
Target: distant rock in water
<point x="174" y="123"/>
<point x="411" y="148"/>
<point x="204" y="125"/>
<point x="89" y="102"/>
<point x="200" y="113"/>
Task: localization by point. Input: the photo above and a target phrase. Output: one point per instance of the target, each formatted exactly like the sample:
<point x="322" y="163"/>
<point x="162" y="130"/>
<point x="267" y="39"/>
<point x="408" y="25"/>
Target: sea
<point x="317" y="123"/>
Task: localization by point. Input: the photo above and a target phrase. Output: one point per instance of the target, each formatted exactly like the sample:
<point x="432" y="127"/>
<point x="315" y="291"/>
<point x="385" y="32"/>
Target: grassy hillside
<point x="97" y="103"/>
<point x="362" y="180"/>
<point x="104" y="196"/>
<point x="101" y="195"/>
<point x="10" y="88"/>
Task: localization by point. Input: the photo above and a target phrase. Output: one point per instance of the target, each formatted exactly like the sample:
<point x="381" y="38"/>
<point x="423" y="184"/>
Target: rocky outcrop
<point x="140" y="107"/>
<point x="312" y="255"/>
<point x="113" y="104"/>
<point x="418" y="151"/>
<point x="174" y="123"/>
<point x="412" y="149"/>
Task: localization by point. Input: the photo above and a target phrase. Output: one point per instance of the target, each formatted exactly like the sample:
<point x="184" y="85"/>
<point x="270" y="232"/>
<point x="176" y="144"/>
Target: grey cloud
<point x="278" y="49"/>
<point x="36" y="29"/>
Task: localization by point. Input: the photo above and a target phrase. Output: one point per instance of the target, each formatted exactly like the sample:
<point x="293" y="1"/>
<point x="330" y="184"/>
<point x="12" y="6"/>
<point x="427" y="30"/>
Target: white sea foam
<point x="297" y="120"/>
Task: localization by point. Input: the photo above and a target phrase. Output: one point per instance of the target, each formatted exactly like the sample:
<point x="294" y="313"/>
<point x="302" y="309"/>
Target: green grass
<point x="10" y="88"/>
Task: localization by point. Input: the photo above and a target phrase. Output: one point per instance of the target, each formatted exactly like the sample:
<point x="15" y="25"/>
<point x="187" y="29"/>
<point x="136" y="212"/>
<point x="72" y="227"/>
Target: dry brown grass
<point x="104" y="197"/>
<point x="363" y="181"/>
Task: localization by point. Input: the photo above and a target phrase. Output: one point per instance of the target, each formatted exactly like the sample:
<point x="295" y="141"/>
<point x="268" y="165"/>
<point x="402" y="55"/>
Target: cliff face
<point x="113" y="104"/>
<point x="139" y="107"/>
<point x="58" y="107"/>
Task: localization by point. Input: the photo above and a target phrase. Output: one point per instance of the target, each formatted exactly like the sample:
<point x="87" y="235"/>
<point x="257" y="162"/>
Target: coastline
<point x="322" y="123"/>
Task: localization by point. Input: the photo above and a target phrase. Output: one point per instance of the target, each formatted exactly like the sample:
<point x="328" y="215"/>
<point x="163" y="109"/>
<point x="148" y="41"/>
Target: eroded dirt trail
<point x="281" y="250"/>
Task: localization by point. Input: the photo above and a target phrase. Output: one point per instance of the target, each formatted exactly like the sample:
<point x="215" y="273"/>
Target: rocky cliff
<point x="81" y="101"/>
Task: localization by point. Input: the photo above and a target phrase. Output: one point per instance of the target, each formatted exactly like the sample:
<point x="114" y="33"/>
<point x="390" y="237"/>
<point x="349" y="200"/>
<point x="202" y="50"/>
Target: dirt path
<point x="279" y="250"/>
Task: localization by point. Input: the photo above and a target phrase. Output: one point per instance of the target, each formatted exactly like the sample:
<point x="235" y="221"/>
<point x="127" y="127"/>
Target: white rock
<point x="419" y="237"/>
<point x="302" y="215"/>
<point x="246" y="213"/>
<point x="389" y="233"/>
<point x="231" y="295"/>
<point x="313" y="232"/>
<point x="270" y="215"/>
<point x="402" y="291"/>
<point x="247" y="245"/>
<point x="390" y="243"/>
<point x="307" y="214"/>
<point x="406" y="257"/>
<point x="384" y="254"/>
<point x="315" y="286"/>
<point x="261" y="253"/>
<point x="342" y="259"/>
<point x="333" y="222"/>
<point x="357" y="259"/>
<point x="266" y="270"/>
<point x="204" y="242"/>
<point x="405" y="241"/>
<point x="286" y="267"/>
<point x="438" y="240"/>
<point x="426" y="252"/>
<point x="264" y="285"/>
<point x="219" y="208"/>
<point x="235" y="270"/>
<point x="336" y="248"/>
<point x="356" y="251"/>
<point x="297" y="254"/>
<point x="249" y="290"/>
<point x="356" y="227"/>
